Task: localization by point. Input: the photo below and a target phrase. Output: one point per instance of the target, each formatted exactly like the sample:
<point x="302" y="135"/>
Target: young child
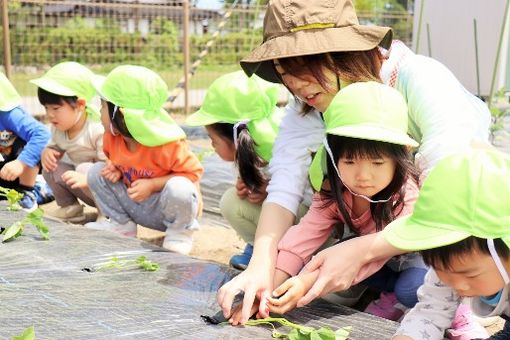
<point x="22" y="139"/>
<point x="66" y="92"/>
<point x="241" y="118"/>
<point x="151" y="177"/>
<point x="461" y="223"/>
<point x="371" y="181"/>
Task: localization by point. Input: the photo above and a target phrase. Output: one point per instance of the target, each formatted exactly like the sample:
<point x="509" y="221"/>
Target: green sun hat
<point x="364" y="110"/>
<point x="9" y="97"/>
<point x="141" y="93"/>
<point x="464" y="195"/>
<point x="234" y="98"/>
<point x="68" y="79"/>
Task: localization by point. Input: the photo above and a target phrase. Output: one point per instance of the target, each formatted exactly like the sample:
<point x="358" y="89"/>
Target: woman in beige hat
<point x="315" y="48"/>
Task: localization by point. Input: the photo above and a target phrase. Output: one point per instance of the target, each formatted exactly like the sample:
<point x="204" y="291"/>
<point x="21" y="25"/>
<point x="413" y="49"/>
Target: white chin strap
<point x="497" y="261"/>
<point x="112" y="130"/>
<point x="330" y="154"/>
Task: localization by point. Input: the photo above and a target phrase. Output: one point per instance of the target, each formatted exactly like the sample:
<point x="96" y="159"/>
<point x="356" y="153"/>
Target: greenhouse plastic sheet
<point x="54" y="286"/>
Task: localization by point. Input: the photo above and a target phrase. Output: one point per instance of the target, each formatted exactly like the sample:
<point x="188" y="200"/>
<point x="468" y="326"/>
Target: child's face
<point x="64" y="116"/>
<point x="473" y="274"/>
<point x="366" y="176"/>
<point x="105" y="115"/>
<point x="223" y="147"/>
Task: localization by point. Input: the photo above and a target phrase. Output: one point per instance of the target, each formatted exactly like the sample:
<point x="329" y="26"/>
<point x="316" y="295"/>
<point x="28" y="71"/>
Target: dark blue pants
<point x="404" y="284"/>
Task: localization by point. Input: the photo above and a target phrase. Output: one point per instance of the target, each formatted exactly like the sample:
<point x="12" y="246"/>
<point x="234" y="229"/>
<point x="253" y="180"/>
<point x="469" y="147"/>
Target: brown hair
<point x="353" y="66"/>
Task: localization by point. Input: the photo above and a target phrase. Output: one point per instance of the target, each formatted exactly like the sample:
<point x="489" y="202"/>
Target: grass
<point x="203" y="77"/>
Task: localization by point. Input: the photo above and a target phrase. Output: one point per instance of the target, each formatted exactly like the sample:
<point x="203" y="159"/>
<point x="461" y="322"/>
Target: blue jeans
<point x="404" y="284"/>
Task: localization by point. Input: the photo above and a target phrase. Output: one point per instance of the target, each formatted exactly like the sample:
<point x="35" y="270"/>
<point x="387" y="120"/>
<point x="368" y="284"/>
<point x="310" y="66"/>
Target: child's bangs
<point x="354" y="148"/>
<point x="48" y="98"/>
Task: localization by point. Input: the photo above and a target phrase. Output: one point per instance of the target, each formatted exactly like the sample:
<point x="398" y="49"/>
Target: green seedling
<point x="204" y="153"/>
<point x="13" y="198"/>
<point x="28" y="334"/>
<point x="35" y="218"/>
<point x="140" y="262"/>
<point x="300" y="332"/>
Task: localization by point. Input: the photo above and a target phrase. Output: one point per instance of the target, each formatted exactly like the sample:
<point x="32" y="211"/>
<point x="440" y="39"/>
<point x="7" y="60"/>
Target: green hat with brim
<point x="364" y="110"/>
<point x="9" y="97"/>
<point x="71" y="79"/>
<point x="464" y="195"/>
<point x="140" y="94"/>
<point x="234" y="98"/>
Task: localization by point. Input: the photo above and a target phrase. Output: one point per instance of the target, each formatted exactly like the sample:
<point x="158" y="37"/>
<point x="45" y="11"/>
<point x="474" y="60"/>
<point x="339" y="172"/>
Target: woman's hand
<point x="356" y="255"/>
<point x="257" y="289"/>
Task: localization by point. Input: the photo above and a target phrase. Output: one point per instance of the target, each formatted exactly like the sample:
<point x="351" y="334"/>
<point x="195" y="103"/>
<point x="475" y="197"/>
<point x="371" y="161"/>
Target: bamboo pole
<point x="418" y="33"/>
<point x="6" y="38"/>
<point x="477" y="62"/>
<point x="498" y="50"/>
<point x="185" y="28"/>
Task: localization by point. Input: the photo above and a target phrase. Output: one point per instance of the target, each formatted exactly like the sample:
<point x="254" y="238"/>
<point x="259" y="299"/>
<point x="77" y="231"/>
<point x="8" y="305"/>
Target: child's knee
<point x="180" y="190"/>
<point x="407" y="285"/>
<point x="94" y="175"/>
<point x="228" y="201"/>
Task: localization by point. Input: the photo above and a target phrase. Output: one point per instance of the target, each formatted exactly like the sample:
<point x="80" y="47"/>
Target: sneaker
<point x="241" y="261"/>
<point x="127" y="229"/>
<point x="178" y="242"/>
<point x="464" y="326"/>
<point x="43" y="191"/>
<point x="347" y="297"/>
<point x="29" y="201"/>
<point x="387" y="307"/>
<point x="72" y="213"/>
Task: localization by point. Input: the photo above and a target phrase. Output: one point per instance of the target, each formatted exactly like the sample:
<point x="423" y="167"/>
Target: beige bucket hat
<point x="295" y="28"/>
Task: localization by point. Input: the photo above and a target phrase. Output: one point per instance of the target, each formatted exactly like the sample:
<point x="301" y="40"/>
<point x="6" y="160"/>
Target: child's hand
<point x="111" y="173"/>
<point x="257" y="197"/>
<point x="49" y="159"/>
<point x="242" y="190"/>
<point x="74" y="179"/>
<point x="291" y="291"/>
<point x="12" y="170"/>
<point x="140" y="189"/>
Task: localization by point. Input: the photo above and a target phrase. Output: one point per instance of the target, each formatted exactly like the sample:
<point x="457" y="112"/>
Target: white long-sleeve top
<point x="443" y="116"/>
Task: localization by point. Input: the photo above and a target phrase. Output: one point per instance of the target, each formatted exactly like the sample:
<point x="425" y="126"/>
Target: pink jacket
<point x="301" y="241"/>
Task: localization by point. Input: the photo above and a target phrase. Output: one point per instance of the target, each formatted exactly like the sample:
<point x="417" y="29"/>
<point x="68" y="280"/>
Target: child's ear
<point x="81" y="103"/>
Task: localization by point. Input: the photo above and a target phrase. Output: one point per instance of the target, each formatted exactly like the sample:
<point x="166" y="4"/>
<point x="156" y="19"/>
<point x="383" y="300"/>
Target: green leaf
<point x="35" y="218"/>
<point x="147" y="265"/>
<point x="13" y="231"/>
<point x="343" y="333"/>
<point x="28" y="334"/>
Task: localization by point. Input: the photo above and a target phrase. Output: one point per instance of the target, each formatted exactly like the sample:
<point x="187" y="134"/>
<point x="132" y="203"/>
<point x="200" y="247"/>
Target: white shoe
<point x="347" y="297"/>
<point x="127" y="229"/>
<point x="179" y="242"/>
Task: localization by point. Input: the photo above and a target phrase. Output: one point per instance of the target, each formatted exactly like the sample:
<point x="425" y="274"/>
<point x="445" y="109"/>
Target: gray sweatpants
<point x="64" y="195"/>
<point x="173" y="208"/>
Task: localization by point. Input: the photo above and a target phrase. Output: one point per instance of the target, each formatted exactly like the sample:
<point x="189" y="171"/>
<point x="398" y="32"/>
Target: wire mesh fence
<point x="103" y="34"/>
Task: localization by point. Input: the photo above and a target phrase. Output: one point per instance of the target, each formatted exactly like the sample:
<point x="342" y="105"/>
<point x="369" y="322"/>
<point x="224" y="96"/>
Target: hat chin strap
<point x="330" y="154"/>
<point x="497" y="261"/>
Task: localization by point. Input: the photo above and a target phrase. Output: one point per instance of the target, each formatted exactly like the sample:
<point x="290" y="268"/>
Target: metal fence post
<point x="185" y="49"/>
<point x="7" y="43"/>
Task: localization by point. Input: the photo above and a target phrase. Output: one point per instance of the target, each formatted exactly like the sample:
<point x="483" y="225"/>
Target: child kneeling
<point x="151" y="177"/>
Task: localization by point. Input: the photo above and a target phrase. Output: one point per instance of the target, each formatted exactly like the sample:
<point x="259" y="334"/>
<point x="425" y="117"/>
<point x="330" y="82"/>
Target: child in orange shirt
<point x="151" y="177"/>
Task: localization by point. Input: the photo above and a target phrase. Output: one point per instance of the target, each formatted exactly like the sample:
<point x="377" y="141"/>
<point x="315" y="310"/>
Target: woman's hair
<point x="354" y="66"/>
<point x="46" y="98"/>
<point x="118" y="121"/>
<point x="442" y="257"/>
<point x="246" y="158"/>
<point x="382" y="213"/>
